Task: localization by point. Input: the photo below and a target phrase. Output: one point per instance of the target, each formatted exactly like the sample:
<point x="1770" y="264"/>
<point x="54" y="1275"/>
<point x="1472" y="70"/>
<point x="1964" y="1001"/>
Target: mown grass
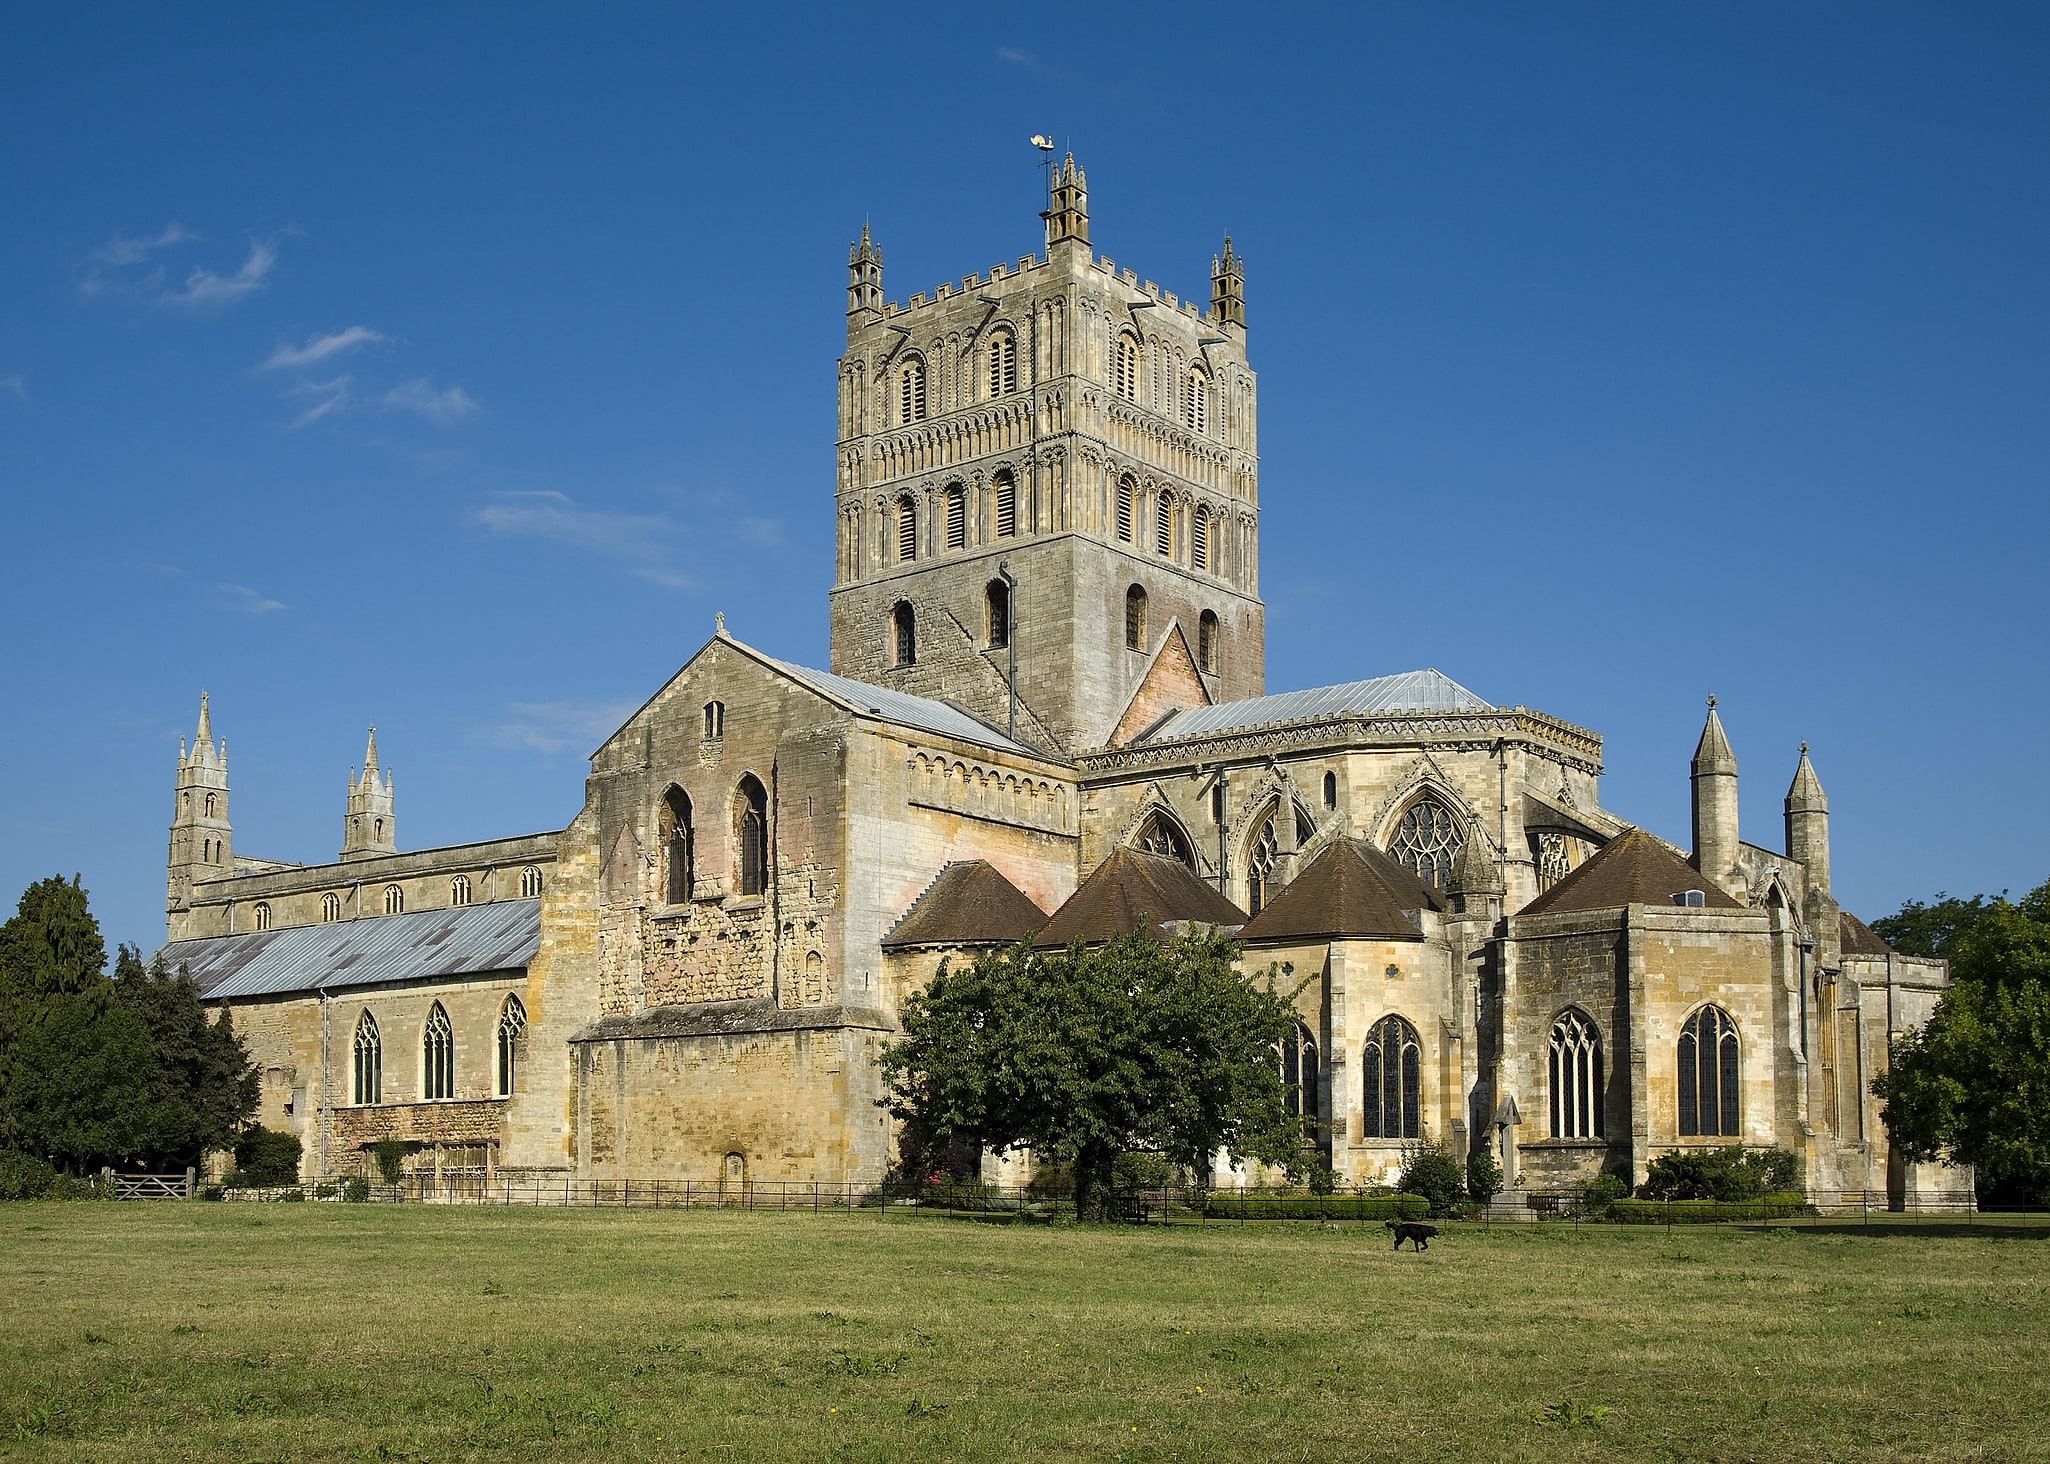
<point x="290" y="1332"/>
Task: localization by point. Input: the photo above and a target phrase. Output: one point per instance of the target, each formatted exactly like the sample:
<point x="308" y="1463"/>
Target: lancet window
<point x="512" y="1025"/>
<point x="912" y="391"/>
<point x="1006" y="506"/>
<point x="907" y="530"/>
<point x="997" y="611"/>
<point x="1003" y="364"/>
<point x="903" y="633"/>
<point x="1125" y="376"/>
<point x="367" y="1062"/>
<point x="957" y="516"/>
<point x="676" y="840"/>
<point x="1127" y="490"/>
<point x="1199" y="538"/>
<point x="1206" y="641"/>
<point x="752" y="834"/>
<point x="1163" y="526"/>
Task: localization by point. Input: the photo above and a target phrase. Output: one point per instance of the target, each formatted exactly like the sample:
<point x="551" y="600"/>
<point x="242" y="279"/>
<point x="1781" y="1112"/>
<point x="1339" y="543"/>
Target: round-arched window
<point x="1427" y="841"/>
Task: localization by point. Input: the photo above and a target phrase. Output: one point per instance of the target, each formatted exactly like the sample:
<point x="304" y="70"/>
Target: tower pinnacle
<point x="370" y="828"/>
<point x="1067" y="212"/>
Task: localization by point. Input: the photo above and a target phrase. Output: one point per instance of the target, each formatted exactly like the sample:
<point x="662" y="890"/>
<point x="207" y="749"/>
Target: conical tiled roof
<point x="1345" y="891"/>
<point x="1632" y="869"/>
<point x="1130" y="890"/>
<point x="1860" y="939"/>
<point x="970" y="904"/>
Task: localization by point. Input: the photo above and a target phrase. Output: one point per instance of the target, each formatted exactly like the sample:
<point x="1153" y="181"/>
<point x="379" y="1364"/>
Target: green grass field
<point x="316" y="1331"/>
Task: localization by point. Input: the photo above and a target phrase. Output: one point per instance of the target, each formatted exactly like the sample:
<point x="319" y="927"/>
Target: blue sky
<point x="448" y="367"/>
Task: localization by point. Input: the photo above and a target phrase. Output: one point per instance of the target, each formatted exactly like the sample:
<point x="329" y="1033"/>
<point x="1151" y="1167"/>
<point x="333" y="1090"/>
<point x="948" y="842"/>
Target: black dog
<point x="1411" y="1231"/>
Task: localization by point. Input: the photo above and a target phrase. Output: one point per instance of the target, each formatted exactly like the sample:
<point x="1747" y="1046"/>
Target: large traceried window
<point x="1003" y="364"/>
<point x="1709" y="1074"/>
<point x="1576" y="1071"/>
<point x="1163" y="836"/>
<point x="1135" y="619"/>
<point x="1125" y="369"/>
<point x="512" y="1025"/>
<point x="676" y="838"/>
<point x="367" y="1065"/>
<point x="911" y="398"/>
<point x="1006" y="505"/>
<point x="907" y="530"/>
<point x="903" y="634"/>
<point x="437" y="1056"/>
<point x="751" y="834"/>
<point x="957" y="516"/>
<point x="1392" y="1068"/>
<point x="330" y="908"/>
<point x="1300" y="1073"/>
<point x="1127" y="491"/>
<point x="1427" y="841"/>
<point x="1548" y="852"/>
<point x="1163" y="526"/>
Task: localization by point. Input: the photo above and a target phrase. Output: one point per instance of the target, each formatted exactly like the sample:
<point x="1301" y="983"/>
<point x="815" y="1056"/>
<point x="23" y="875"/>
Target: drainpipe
<point x="1011" y="631"/>
<point x="1805" y="947"/>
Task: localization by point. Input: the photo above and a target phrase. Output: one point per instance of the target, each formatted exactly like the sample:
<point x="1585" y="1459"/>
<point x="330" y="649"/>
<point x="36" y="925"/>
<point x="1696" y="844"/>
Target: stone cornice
<point x="1572" y="746"/>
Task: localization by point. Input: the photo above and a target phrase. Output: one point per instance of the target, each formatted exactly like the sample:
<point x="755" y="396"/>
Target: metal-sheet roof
<point x="1410" y="691"/>
<point x="913" y="711"/>
<point x="369" y="951"/>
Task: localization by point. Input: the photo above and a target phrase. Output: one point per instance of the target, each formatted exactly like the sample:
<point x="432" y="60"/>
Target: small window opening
<point x="913" y="400"/>
<point x="530" y="883"/>
<point x="1199" y="539"/>
<point x="1126" y="491"/>
<point x="715" y="720"/>
<point x="1206" y="641"/>
<point x="1003" y="364"/>
<point x="1135" y="619"/>
<point x="260" y="915"/>
<point x="459" y="890"/>
<point x="330" y="908"/>
<point x="1331" y="790"/>
<point x="394" y="900"/>
<point x="904" y="633"/>
<point x="997" y="601"/>
<point x="1163" y="526"/>
<point x="753" y="834"/>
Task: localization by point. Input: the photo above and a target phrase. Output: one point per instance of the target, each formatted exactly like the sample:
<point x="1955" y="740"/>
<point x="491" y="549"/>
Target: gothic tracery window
<point x="1392" y="1081"/>
<point x="1300" y="1074"/>
<point x="1576" y="1073"/>
<point x="676" y="835"/>
<point x="1709" y="1073"/>
<point x="367" y="1062"/>
<point x="330" y="908"/>
<point x="512" y="1025"/>
<point x="530" y="883"/>
<point x="394" y="900"/>
<point x="459" y="890"/>
<point x="1427" y="841"/>
<point x="437" y="1056"/>
<point x="1161" y="835"/>
<point x="1264" y="857"/>
<point x="1548" y="852"/>
<point x="260" y="915"/>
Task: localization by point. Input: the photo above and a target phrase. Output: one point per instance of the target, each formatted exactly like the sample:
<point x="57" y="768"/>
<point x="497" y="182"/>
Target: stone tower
<point x="202" y="844"/>
<point x="371" y="828"/>
<point x="1808" y="823"/>
<point x="1715" y="807"/>
<point x="1056" y="452"/>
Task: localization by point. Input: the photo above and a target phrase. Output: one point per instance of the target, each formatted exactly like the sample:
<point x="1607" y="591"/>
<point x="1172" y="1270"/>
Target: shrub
<point x="1323" y="1178"/>
<point x="390" y="1155"/>
<point x="1314" y="1207"/>
<point x="323" y="1192"/>
<point x="25" y="1177"/>
<point x="1483" y="1176"/>
<point x="1728" y="1173"/>
<point x="355" y="1191"/>
<point x="1135" y="1171"/>
<point x="268" y="1156"/>
<point x="1594" y="1197"/>
<point x="1776" y="1206"/>
<point x="1429" y="1169"/>
<point x="293" y="1194"/>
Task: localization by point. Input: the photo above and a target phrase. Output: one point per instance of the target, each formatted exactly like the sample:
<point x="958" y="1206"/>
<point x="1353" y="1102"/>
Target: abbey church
<point x="1045" y="718"/>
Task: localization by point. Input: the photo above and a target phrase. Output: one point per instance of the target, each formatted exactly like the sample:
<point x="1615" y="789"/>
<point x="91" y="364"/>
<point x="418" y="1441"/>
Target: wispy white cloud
<point x="557" y="726"/>
<point x="15" y="384"/>
<point x="121" y="251"/>
<point x="1015" y="56"/>
<point x="326" y="396"/>
<point x="762" y="532"/>
<point x="248" y="601"/>
<point x="205" y="288"/>
<point x="644" y="543"/>
<point x="419" y="397"/>
<point x="320" y="347"/>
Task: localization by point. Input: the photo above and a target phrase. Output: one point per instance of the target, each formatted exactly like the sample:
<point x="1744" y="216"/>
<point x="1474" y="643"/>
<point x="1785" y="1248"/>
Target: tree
<point x="1081" y="1054"/>
<point x="203" y="1087"/>
<point x="1972" y="1086"/>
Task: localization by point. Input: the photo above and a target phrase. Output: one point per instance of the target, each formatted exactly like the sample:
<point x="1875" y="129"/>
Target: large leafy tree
<point x="1973" y="1085"/>
<point x="96" y="1071"/>
<point x="1082" y="1054"/>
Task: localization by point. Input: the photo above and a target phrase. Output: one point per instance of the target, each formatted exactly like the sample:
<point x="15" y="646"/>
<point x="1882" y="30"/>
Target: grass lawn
<point x="320" y="1331"/>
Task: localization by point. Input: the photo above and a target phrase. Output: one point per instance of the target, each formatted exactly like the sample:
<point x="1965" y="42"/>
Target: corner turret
<point x="1715" y="807"/>
<point x="1067" y="213"/>
<point x="864" y="283"/>
<point x="1808" y="823"/>
<point x="1228" y="288"/>
<point x="371" y="828"/>
<point x="202" y="843"/>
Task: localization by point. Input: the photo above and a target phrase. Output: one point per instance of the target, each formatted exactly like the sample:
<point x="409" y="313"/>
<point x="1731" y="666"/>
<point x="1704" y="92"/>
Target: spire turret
<point x="1808" y="823"/>
<point x="1228" y="288"/>
<point x="1067" y="212"/>
<point x="202" y="842"/>
<point x="864" y="280"/>
<point x="1715" y="806"/>
<point x="370" y="827"/>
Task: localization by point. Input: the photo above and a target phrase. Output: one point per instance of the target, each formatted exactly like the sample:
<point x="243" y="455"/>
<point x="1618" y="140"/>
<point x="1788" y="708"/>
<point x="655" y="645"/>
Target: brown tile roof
<point x="1130" y="890"/>
<point x="969" y="904"/>
<point x="1860" y="939"/>
<point x="1346" y="890"/>
<point x="1632" y="869"/>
